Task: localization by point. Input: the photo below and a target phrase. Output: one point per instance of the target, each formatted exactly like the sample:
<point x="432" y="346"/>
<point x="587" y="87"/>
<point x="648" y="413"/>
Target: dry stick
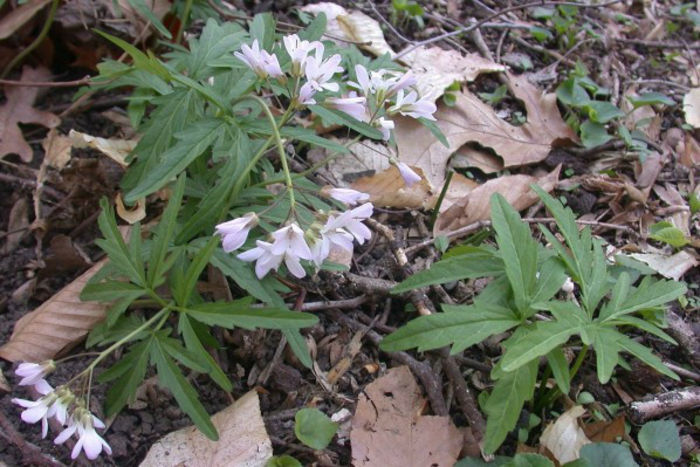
<point x="680" y="371"/>
<point x="658" y="44"/>
<point x="47" y="84"/>
<point x="662" y="404"/>
<point x="30" y="453"/>
<point x="686" y="337"/>
<point x="339" y="304"/>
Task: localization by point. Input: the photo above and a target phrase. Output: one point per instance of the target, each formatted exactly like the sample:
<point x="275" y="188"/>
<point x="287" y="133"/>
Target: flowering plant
<point x="211" y="119"/>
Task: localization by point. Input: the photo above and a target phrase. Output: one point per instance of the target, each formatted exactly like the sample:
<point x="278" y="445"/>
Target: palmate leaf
<point x="506" y="401"/>
<point x="212" y="43"/>
<point x="560" y="369"/>
<point x="645" y="355"/>
<point x="194" y="344"/>
<point x="129" y="372"/>
<point x="460" y="326"/>
<point x="517" y="247"/>
<point x="239" y="313"/>
<point x="336" y="117"/>
<point x="648" y="294"/>
<point x="110" y="290"/>
<point x="113" y="244"/>
<point x="541" y="339"/>
<point x="163" y="235"/>
<point x="606" y="352"/>
<point x="472" y="263"/>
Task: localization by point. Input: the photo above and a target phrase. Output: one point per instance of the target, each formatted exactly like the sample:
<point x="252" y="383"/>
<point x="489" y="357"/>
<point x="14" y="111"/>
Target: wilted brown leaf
<point x="18" y="109"/>
<point x="673" y="266"/>
<point x="16" y="18"/>
<point x="131" y="215"/>
<point x="471" y="120"/>
<point x="387" y="188"/>
<point x="564" y="437"/>
<point x="388" y="429"/>
<point x="56" y="149"/>
<point x="476" y="205"/>
<point x="57" y="325"/>
<point x="243" y="440"/>
<point x="467" y="156"/>
<point x="16" y="225"/>
<point x="691" y="107"/>
<point x="115" y="148"/>
<point x="606" y="431"/>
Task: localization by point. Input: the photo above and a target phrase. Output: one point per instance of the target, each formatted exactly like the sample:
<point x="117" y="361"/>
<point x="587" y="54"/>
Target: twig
<point x="658" y="44"/>
<point x="464" y="396"/>
<point x="30" y="453"/>
<point x="47" y="84"/>
<point x="679" y="370"/>
<point x="337" y="304"/>
<point x="32" y="183"/>
<point x="662" y="404"/>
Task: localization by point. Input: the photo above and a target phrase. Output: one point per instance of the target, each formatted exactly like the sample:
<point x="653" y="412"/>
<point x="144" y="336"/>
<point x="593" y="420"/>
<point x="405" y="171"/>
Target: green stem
<point x="42" y="35"/>
<point x="436" y="209"/>
<point x="183" y="20"/>
<point x="579" y="360"/>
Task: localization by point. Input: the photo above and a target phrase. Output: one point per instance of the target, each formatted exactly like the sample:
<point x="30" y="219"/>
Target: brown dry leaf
<point x="366" y="158"/>
<point x="606" y="431"/>
<point x="387" y="188"/>
<point x="18" y="109"/>
<point x="4" y="385"/>
<point x="471" y="120"/>
<point x="691" y="107"/>
<point x="459" y="189"/>
<point x="132" y="215"/>
<point x="673" y="266"/>
<point x="16" y="225"/>
<point x="56" y="325"/>
<point x="649" y="170"/>
<point x="243" y="440"/>
<point x="389" y="430"/>
<point x="564" y="437"/>
<point x="689" y="151"/>
<point x="16" y="18"/>
<point x="467" y="157"/>
<point x="56" y="149"/>
<point x="115" y="148"/>
<point x="671" y="196"/>
<point x="643" y="118"/>
<point x="476" y="205"/>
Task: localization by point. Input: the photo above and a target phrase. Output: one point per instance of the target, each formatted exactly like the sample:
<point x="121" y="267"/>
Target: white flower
<point x="38" y="409"/>
<point x="351" y="221"/>
<point x="84" y="423"/>
<point x="298" y="51"/>
<point x="306" y="94"/>
<point x="401" y="82"/>
<point x="411" y="106"/>
<point x="59" y="409"/>
<point x="260" y="61"/>
<point x="353" y="106"/>
<point x="32" y="373"/>
<point x="330" y="237"/>
<point x="385" y="126"/>
<point x="408" y="174"/>
<point x="319" y="73"/>
<point x="288" y="246"/>
<point x="345" y="195"/>
<point x="235" y="232"/>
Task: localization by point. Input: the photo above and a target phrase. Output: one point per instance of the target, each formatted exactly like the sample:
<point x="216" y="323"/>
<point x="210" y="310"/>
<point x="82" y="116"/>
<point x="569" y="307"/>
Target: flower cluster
<point x="63" y="406"/>
<point x="290" y="244"/>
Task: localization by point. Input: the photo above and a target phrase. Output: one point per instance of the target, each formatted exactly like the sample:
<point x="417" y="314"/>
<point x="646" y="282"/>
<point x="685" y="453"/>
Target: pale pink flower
<point x="408" y="174"/>
<point x="298" y="51"/>
<point x="235" y="232"/>
<point x="260" y="61"/>
<point x="83" y="423"/>
<point x="32" y="373"/>
<point x="38" y="409"/>
<point x="401" y="82"/>
<point x="351" y="221"/>
<point x="306" y="94"/>
<point x="385" y="126"/>
<point x="289" y="246"/>
<point x="346" y="195"/>
<point x="330" y="237"/>
<point x="354" y="106"/>
<point x="319" y="73"/>
<point x="410" y="105"/>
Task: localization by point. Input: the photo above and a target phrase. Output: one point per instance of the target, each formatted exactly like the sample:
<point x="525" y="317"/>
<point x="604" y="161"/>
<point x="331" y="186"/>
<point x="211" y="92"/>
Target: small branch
<point x="337" y="304"/>
<point x="47" y="84"/>
<point x="662" y="404"/>
<point x="658" y="44"/>
<point x="464" y="396"/>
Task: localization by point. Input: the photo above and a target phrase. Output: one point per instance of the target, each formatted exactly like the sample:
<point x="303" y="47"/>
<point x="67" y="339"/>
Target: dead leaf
<point x="4" y="386"/>
<point x="649" y="170"/>
<point x="467" y="157"/>
<point x="65" y="257"/>
<point x="115" y="148"/>
<point x="387" y="188"/>
<point x="689" y="151"/>
<point x="18" y="109"/>
<point x="389" y="430"/>
<point x="673" y="266"/>
<point x="564" y="437"/>
<point x="471" y="120"/>
<point x="604" y="431"/>
<point x="16" y="225"/>
<point x="365" y="159"/>
<point x="691" y="107"/>
<point x="56" y="325"/>
<point x="476" y="205"/>
<point x="243" y="440"/>
<point x="132" y="215"/>
<point x="56" y="149"/>
<point x="643" y="118"/>
<point x="16" y="18"/>
<point x="671" y="196"/>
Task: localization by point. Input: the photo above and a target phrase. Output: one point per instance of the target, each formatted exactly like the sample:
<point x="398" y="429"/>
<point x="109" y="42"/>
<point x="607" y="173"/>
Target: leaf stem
<point x="183" y="20"/>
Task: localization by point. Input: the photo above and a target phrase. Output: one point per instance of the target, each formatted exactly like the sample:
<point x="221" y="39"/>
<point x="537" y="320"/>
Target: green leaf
<point x="594" y="134"/>
<point x="214" y="42"/>
<point x="645" y="355"/>
<point x="660" y="439"/>
<point x="540" y="34"/>
<point x="606" y="352"/>
<point x="666" y="232"/>
<point x="651" y="98"/>
<point x="571" y="93"/>
<point x="113" y="244"/>
<point x="240" y="313"/>
<point x="335" y="117"/>
<point x="619" y="294"/>
<point x="192" y="144"/>
<point x="552" y="277"/>
<point x="606" y="455"/>
<point x="185" y="395"/>
<point x="314" y="31"/>
<point x="164" y="233"/>
<point x="529" y="460"/>
<point x="129" y="372"/>
<point x="461" y="326"/>
<point x="498" y="461"/>
<point x="199" y="262"/>
<point x="298" y="345"/>
<point x="141" y="60"/>
<point x="517" y="247"/>
<point x="310" y="136"/>
<point x="147" y="13"/>
<point x="435" y="130"/>
<point x="188" y="358"/>
<point x="262" y="28"/>
<point x="560" y="369"/>
<point x="111" y="290"/>
<point x="603" y="111"/>
<point x="505" y="403"/>
<point x="544" y="336"/>
<point x="244" y="276"/>
<point x="649" y="294"/>
<point x="194" y="344"/>
<point x="283" y="461"/>
<point x="643" y="325"/>
<point x="473" y="263"/>
<point x="313" y="428"/>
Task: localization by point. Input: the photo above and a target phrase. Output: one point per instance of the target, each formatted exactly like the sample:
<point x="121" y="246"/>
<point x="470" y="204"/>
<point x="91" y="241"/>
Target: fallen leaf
<point x="673" y="266"/>
<point x="4" y="386"/>
<point x="689" y="151"/>
<point x="649" y="170"/>
<point x="115" y="148"/>
<point x="16" y="225"/>
<point x="564" y="437"/>
<point x="64" y="257"/>
<point x="604" y="431"/>
<point x="56" y="325"/>
<point x="476" y="205"/>
<point x="18" y="109"/>
<point x="671" y="196"/>
<point x="389" y="430"/>
<point x="243" y="440"/>
<point x="691" y="107"/>
<point x="387" y="188"/>
<point x="643" y="118"/>
<point x="471" y="120"/>
<point x="132" y="215"/>
<point x="365" y="159"/>
<point x="56" y="149"/>
<point x="468" y="157"/>
<point x="16" y="18"/>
